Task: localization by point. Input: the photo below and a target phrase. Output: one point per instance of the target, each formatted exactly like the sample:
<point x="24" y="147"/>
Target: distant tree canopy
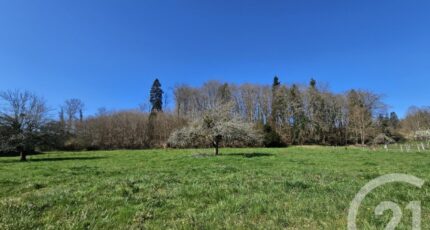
<point x="216" y="114"/>
<point x="297" y="114"/>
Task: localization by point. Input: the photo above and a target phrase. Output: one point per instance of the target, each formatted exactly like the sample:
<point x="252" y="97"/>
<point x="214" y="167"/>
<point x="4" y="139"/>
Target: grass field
<point x="294" y="188"/>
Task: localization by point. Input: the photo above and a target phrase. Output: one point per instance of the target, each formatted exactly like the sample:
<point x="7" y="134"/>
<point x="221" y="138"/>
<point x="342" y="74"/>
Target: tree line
<point x="271" y="115"/>
<point x="294" y="114"/>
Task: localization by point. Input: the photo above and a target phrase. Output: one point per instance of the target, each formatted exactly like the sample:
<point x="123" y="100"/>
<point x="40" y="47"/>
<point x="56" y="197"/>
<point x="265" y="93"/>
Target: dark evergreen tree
<point x="383" y="124"/>
<point x="271" y="137"/>
<point x="156" y="97"/>
<point x="313" y="83"/>
<point x="81" y="116"/>
<point x="276" y="101"/>
<point x="224" y="93"/>
<point x="315" y="113"/>
<point x="394" y="120"/>
<point x="394" y="126"/>
<point x="276" y="83"/>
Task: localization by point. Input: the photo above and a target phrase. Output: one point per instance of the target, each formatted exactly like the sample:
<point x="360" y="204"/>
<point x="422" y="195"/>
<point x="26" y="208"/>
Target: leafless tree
<point x="124" y="129"/>
<point x="73" y="109"/>
<point x="417" y="122"/>
<point x="22" y="116"/>
<point x="362" y="108"/>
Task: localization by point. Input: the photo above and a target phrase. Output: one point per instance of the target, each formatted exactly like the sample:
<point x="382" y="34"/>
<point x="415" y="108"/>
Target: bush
<point x="271" y="137"/>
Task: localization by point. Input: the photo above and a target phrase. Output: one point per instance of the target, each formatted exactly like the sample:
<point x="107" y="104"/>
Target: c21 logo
<point x="414" y="206"/>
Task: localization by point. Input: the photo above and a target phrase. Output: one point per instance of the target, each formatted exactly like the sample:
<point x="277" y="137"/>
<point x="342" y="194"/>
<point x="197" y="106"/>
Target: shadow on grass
<point x="249" y="155"/>
<point x="15" y="154"/>
<point x="48" y="159"/>
<point x="246" y="155"/>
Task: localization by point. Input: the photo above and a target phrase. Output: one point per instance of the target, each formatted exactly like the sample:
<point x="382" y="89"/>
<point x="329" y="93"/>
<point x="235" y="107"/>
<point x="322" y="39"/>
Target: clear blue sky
<point x="107" y="52"/>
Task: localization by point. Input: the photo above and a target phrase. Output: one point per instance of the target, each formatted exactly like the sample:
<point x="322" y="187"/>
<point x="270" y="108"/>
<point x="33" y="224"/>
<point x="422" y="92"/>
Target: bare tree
<point x="362" y="108"/>
<point x="417" y="122"/>
<point x="124" y="129"/>
<point x="73" y="109"/>
<point x="21" y="119"/>
<point x="189" y="102"/>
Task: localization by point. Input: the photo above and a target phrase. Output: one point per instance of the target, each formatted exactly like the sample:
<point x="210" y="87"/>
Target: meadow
<point x="252" y="188"/>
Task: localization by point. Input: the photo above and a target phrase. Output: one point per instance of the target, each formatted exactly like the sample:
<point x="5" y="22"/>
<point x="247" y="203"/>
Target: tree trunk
<point x="363" y="138"/>
<point x="216" y="146"/>
<point x="216" y="142"/>
<point x="23" y="156"/>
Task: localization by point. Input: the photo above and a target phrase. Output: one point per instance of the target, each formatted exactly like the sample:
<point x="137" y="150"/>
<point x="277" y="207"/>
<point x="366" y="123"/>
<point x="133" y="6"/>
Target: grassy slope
<point x="296" y="188"/>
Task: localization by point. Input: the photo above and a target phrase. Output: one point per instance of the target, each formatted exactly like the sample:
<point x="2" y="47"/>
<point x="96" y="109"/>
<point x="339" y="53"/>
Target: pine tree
<point x="156" y="97"/>
<point x="224" y="94"/>
<point x="383" y="124"/>
<point x="81" y="116"/>
<point x="313" y="83"/>
<point x="276" y="101"/>
<point x="394" y="120"/>
<point x="276" y="83"/>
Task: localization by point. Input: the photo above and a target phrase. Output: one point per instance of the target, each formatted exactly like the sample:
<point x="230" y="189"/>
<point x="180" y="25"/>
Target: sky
<point x="108" y="52"/>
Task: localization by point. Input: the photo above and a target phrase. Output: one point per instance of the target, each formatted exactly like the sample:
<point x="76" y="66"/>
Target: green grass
<point x="294" y="188"/>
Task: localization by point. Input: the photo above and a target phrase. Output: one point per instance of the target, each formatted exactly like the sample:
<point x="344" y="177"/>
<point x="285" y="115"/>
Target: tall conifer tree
<point x="276" y="101"/>
<point x="156" y="97"/>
